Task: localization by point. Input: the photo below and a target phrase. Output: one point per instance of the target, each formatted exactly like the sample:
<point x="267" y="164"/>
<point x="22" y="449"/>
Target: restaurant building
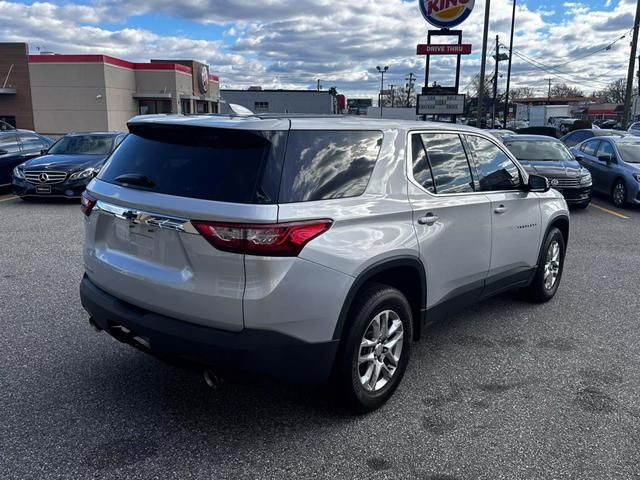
<point x="56" y="94"/>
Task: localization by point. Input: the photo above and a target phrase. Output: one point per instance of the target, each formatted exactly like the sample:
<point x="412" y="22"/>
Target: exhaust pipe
<point x="94" y="325"/>
<point x="212" y="379"/>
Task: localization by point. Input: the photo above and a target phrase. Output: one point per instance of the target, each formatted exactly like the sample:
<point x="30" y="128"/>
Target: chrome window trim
<point x="409" y="162"/>
<point x="150" y="219"/>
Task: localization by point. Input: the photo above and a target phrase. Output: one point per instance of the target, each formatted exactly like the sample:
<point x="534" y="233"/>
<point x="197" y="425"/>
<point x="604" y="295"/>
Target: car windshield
<point x="539" y="151"/>
<point x="83" y="145"/>
<point x="630" y="152"/>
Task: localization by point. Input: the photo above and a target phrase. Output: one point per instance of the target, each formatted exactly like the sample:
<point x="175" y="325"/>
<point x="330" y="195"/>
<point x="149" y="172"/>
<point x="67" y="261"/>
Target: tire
<point x="619" y="194"/>
<point x="387" y="305"/>
<point x="539" y="290"/>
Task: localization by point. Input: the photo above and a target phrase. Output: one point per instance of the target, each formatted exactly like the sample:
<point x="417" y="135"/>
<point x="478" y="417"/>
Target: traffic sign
<point x="440" y="105"/>
<point x="447" y="49"/>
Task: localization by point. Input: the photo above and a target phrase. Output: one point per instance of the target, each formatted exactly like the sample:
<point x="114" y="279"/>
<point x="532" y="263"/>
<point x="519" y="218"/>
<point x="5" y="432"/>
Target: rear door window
<point x="421" y="168"/>
<point x="449" y="164"/>
<point x="32" y="142"/>
<point x="326" y="164"/>
<point x="239" y="166"/>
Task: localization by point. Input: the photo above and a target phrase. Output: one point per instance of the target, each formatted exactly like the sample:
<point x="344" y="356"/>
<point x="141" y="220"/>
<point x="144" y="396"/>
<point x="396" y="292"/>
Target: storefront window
<point x="201" y="107"/>
<point x="150" y="107"/>
<point x="185" y="106"/>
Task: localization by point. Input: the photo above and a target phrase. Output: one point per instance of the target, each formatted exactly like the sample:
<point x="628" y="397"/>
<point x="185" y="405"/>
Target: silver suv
<point x="309" y="248"/>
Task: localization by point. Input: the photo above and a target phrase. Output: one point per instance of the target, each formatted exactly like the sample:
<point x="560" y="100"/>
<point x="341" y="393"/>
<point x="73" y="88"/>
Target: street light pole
<point x="382" y="72"/>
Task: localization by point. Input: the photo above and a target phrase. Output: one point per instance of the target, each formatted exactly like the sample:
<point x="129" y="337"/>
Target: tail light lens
<point x="277" y="240"/>
<point x="87" y="202"/>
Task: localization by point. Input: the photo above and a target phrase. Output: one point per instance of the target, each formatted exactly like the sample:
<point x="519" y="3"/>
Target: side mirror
<point x="605" y="158"/>
<point x="538" y="183"/>
<point x="579" y="158"/>
<point x="44" y="151"/>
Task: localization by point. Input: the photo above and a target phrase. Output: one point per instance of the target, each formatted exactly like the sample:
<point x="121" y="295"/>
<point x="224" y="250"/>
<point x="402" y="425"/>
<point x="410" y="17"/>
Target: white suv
<point x="307" y="248"/>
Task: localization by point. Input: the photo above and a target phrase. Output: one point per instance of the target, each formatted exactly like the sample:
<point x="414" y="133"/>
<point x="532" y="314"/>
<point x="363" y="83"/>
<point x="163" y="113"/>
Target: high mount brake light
<point x="87" y="202"/>
<point x="276" y="239"/>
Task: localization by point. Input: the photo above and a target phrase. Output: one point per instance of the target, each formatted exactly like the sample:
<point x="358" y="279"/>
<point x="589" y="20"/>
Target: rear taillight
<point x="278" y="239"/>
<point x="87" y="202"/>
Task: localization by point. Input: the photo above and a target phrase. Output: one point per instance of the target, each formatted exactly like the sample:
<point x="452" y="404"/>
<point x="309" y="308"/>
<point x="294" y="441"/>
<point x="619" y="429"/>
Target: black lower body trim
<point x="254" y="351"/>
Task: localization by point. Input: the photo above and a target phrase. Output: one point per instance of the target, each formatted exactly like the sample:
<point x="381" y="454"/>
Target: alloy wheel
<point x="380" y="350"/>
<point x="619" y="194"/>
<point x="552" y="265"/>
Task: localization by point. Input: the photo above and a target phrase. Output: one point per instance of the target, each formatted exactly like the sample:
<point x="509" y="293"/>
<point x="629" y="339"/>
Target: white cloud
<point x="291" y="43"/>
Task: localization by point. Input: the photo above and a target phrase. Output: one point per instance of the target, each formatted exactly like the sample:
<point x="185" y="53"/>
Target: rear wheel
<point x="375" y="351"/>
<point x="549" y="272"/>
<point x="619" y="194"/>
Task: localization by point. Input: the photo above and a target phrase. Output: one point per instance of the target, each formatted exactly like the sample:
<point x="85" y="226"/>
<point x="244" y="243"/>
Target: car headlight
<point x="87" y="172"/>
<point x="18" y="172"/>
<point x="585" y="179"/>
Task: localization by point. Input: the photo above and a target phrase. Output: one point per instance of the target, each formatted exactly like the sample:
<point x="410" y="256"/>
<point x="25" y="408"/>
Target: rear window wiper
<point x="135" y="179"/>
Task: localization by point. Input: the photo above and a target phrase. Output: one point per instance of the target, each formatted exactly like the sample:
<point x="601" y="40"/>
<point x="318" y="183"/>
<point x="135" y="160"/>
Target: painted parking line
<point x="6" y="198"/>
<point x="610" y="212"/>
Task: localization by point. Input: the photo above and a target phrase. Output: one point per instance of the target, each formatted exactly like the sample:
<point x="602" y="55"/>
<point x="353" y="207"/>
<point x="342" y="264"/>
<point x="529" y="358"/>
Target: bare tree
<point x="521" y="92"/>
<point x="614" y="92"/>
<point x="400" y="95"/>
<point x="564" y="90"/>
<point x="475" y="87"/>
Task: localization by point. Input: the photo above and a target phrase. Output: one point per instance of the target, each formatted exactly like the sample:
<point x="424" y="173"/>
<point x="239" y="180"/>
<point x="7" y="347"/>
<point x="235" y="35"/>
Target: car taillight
<point x="87" y="202"/>
<point x="276" y="239"/>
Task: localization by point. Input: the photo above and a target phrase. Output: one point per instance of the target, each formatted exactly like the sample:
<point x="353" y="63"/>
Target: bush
<point x="547" y="131"/>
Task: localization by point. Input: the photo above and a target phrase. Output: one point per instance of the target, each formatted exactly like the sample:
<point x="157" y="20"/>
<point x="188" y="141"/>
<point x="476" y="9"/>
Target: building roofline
<point x="108" y="60"/>
<point x="272" y="90"/>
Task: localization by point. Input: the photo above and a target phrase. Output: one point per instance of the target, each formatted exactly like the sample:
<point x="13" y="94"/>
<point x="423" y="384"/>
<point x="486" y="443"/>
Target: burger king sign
<point x="446" y="13"/>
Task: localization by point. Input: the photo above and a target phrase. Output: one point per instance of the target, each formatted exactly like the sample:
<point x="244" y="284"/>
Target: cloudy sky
<point x="291" y="43"/>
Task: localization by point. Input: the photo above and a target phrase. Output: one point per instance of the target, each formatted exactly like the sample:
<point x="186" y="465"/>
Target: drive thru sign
<point x="445" y="49"/>
<point x="440" y="105"/>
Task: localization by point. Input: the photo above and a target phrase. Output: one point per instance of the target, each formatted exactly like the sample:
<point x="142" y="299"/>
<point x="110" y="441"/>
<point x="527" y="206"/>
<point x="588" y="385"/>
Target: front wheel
<point x="549" y="272"/>
<point x="619" y="194"/>
<point x="375" y="350"/>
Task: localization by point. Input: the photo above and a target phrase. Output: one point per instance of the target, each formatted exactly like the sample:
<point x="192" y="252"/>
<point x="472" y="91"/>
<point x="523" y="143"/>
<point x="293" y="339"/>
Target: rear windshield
<point x="245" y="166"/>
<point x="540" y="151"/>
<point x="239" y="166"/>
<point x="83" y="145"/>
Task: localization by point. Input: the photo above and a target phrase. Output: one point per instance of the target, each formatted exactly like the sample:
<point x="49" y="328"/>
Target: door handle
<point x="428" y="219"/>
<point x="500" y="209"/>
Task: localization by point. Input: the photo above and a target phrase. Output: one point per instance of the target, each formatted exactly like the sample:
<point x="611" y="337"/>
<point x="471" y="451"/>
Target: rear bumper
<point x="251" y="350"/>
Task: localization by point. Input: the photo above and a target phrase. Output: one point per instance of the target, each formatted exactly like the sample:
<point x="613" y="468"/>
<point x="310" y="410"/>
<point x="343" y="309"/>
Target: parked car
<point x="551" y="158"/>
<point x="610" y="124"/>
<point x="207" y="240"/>
<point x="614" y="163"/>
<point x="578" y="136"/>
<point x="634" y="129"/>
<point x="67" y="167"/>
<point x="16" y="146"/>
<point x="500" y="134"/>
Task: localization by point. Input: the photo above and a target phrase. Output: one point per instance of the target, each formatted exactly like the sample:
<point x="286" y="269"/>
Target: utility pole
<point x="483" y="62"/>
<point x="632" y="59"/>
<point x="319" y="85"/>
<point x="506" y="97"/>
<point x="495" y="84"/>
<point x="549" y="93"/>
<point x="411" y="79"/>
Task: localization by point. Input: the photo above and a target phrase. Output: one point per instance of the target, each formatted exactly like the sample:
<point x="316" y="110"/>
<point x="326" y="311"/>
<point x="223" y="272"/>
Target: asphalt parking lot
<point x="505" y="390"/>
